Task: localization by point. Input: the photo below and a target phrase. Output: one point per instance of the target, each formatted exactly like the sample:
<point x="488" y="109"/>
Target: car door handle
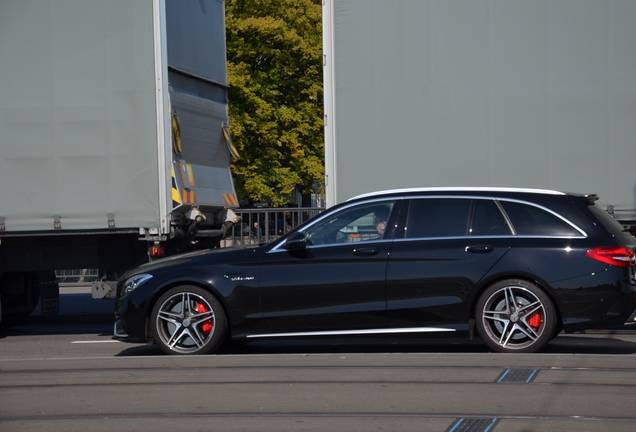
<point x="480" y="249"/>
<point x="365" y="252"/>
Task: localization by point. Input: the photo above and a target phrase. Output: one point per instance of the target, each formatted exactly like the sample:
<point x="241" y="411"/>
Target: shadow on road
<point x="101" y="329"/>
<point x="617" y="340"/>
<point x="607" y="341"/>
<point x="598" y="342"/>
<point x="332" y="346"/>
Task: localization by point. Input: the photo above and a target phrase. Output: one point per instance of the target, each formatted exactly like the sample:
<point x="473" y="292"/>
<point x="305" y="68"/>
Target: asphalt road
<point x="77" y="378"/>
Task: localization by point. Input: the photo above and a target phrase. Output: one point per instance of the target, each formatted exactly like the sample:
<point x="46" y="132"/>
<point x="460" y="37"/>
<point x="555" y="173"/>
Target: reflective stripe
<point x="188" y="197"/>
<point x="230" y="199"/>
<point x="176" y="198"/>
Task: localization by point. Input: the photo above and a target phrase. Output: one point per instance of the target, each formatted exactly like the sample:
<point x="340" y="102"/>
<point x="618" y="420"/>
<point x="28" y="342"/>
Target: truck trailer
<point x="442" y="93"/>
<point x="114" y="142"/>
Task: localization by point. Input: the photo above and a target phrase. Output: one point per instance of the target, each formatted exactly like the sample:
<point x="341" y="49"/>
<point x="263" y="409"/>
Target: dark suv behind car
<point x="516" y="265"/>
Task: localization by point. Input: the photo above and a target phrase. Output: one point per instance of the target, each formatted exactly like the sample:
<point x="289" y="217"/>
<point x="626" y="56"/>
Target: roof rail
<point x="459" y="189"/>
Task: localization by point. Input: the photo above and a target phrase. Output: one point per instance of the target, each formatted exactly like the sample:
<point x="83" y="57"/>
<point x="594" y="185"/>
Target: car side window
<point x="533" y="221"/>
<point x="488" y="220"/>
<point x="438" y="217"/>
<point x="360" y="223"/>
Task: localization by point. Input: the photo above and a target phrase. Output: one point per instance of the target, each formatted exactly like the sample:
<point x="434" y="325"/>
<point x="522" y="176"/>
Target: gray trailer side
<point x="537" y="94"/>
<point x="94" y="97"/>
<point x="80" y="125"/>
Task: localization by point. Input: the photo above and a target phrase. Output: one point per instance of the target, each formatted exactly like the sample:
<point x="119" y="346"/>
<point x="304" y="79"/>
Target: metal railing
<point x="266" y="225"/>
<point x="271" y="224"/>
<point x="76" y="276"/>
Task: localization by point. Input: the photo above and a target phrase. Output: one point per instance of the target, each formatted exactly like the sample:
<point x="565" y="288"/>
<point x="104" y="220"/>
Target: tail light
<point x="618" y="256"/>
<point x="158" y="250"/>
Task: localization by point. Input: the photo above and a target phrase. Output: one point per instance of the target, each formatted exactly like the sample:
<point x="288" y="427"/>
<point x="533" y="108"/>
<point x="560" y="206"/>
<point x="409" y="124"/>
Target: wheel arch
<point x="156" y="295"/>
<point x="542" y="284"/>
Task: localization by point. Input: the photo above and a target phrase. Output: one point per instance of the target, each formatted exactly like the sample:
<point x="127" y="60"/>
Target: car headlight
<point x="135" y="282"/>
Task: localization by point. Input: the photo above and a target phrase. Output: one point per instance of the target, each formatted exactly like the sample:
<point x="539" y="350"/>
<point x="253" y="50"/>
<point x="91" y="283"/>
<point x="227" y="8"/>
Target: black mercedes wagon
<point x="517" y="266"/>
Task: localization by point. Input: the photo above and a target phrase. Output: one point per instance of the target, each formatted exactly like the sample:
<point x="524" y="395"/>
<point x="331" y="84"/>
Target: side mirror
<point x="296" y="241"/>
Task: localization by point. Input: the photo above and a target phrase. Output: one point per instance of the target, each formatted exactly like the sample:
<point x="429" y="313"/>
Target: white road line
<point x="96" y="341"/>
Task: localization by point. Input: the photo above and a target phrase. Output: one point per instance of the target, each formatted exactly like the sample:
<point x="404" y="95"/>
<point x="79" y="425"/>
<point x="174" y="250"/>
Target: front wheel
<point x="515" y="316"/>
<point x="188" y="320"/>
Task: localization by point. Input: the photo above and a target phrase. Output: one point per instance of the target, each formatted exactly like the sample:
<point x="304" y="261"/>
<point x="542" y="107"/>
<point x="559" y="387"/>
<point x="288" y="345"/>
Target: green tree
<point x="274" y="53"/>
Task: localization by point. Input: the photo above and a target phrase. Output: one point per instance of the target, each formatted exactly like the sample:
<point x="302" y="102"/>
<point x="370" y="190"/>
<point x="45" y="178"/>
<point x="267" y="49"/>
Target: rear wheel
<point x="515" y="316"/>
<point x="188" y="320"/>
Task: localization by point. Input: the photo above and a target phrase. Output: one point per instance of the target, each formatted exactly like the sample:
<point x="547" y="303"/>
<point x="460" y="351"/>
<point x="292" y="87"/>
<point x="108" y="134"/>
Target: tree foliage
<point x="274" y="50"/>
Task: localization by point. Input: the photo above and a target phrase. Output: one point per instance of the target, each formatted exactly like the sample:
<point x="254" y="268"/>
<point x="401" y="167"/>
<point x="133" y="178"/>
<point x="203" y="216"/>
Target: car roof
<point x="412" y="191"/>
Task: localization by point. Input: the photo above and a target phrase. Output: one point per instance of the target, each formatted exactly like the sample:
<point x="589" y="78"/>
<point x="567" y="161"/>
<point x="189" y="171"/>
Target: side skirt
<point x="357" y="332"/>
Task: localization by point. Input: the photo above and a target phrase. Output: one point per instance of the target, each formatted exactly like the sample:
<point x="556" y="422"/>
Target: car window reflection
<point x="357" y="224"/>
<point x="532" y="221"/>
<point x="438" y="218"/>
<point x="488" y="220"/>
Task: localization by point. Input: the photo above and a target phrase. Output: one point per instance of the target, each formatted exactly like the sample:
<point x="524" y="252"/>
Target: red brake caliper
<point x="207" y="326"/>
<point x="534" y="320"/>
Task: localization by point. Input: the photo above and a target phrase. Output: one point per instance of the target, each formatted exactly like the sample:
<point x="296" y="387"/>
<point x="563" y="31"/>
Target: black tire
<point x="21" y="298"/>
<point x="12" y="320"/>
<point x="515" y="316"/>
<point x="188" y="320"/>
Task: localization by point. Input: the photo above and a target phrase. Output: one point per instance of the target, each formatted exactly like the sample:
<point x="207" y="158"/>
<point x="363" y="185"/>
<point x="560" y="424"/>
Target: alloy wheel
<point x="185" y="322"/>
<point x="514" y="318"/>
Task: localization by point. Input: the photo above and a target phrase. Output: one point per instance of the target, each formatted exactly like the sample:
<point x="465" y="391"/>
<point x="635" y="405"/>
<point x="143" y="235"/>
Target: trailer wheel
<point x="515" y="316"/>
<point x="19" y="295"/>
<point x="188" y="320"/>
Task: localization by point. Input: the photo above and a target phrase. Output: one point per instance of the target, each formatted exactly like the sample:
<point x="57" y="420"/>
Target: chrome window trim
<point x="550" y="236"/>
<point x="374" y="198"/>
<point x="552" y="212"/>
<point x="368" y="242"/>
<point x="410" y="239"/>
<point x="511" y="236"/>
<point x="505" y="215"/>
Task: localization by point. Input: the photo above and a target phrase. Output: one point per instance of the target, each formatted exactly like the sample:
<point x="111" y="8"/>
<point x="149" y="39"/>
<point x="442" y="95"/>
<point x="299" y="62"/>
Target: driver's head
<point x="379" y="219"/>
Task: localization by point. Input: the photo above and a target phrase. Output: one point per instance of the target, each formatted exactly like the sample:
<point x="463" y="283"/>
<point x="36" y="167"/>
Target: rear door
<point x="449" y="244"/>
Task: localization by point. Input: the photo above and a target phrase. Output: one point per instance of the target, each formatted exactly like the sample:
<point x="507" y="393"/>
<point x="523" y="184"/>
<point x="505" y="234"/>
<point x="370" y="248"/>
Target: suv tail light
<point x="618" y="256"/>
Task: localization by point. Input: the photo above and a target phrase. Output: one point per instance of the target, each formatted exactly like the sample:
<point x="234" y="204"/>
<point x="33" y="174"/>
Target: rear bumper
<point x="601" y="299"/>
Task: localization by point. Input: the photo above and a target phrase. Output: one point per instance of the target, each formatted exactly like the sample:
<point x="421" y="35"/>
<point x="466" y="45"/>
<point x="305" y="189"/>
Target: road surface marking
<point x="96" y="341"/>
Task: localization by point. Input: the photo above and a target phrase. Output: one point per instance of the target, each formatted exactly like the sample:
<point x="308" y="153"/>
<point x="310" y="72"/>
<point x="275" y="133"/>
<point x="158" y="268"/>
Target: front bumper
<point x="118" y="330"/>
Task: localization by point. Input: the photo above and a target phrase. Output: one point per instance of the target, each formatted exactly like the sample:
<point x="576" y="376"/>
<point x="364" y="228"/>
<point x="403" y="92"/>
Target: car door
<point x="447" y="246"/>
<point x="337" y="282"/>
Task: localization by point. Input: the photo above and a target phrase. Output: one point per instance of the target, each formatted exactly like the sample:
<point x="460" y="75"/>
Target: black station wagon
<point x="517" y="266"/>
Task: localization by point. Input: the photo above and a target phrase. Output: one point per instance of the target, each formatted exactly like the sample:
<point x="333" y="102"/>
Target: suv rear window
<point x="611" y="224"/>
<point x="533" y="221"/>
